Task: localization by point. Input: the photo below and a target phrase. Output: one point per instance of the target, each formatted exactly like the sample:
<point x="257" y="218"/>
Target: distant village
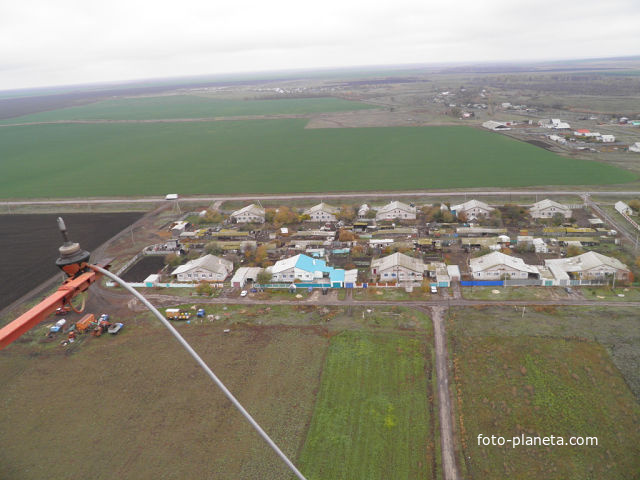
<point x="397" y="244"/>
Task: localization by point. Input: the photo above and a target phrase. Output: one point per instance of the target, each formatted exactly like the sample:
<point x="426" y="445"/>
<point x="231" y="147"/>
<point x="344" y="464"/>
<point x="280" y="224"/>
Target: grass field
<point x="134" y="406"/>
<point x="513" y="293"/>
<point x="372" y="417"/>
<point x="273" y="156"/>
<point x="188" y="106"/>
<point x="555" y="371"/>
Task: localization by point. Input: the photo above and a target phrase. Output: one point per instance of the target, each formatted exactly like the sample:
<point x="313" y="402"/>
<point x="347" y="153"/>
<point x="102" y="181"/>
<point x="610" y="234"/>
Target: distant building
<point x="204" y="269"/>
<point x="363" y="210"/>
<point x="608" y="138"/>
<point x="473" y="209"/>
<point x="309" y="270"/>
<point x="548" y="208"/>
<point x="322" y="213"/>
<point x="623" y="208"/>
<point x="493" y="125"/>
<point x="635" y="147"/>
<point x="396" y="210"/>
<point x="249" y="214"/>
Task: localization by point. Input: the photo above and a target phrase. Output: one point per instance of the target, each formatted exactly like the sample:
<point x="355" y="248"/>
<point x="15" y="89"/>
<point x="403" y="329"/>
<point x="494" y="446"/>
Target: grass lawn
<point x="513" y="293"/>
<point x="630" y="294"/>
<point x="188" y="106"/>
<point x="513" y="386"/>
<point x="373" y="293"/>
<point x="372" y="418"/>
<point x="273" y="156"/>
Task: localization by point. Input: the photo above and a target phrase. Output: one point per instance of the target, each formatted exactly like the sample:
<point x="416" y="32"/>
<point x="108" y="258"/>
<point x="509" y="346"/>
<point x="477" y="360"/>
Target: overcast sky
<point x="44" y="42"/>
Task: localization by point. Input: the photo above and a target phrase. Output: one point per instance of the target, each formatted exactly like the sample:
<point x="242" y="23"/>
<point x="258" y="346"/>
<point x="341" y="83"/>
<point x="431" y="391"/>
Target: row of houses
<point x="395" y="210"/>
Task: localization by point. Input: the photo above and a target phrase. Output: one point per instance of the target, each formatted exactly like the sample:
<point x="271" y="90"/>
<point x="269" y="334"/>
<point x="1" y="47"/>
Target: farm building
<point x="623" y="208"/>
<point x="396" y="210"/>
<point x="179" y="228"/>
<point x="322" y="213"/>
<point x="249" y="214"/>
<point x="204" y="269"/>
<point x="635" y="147"/>
<point x="306" y="269"/>
<point x="244" y="275"/>
<point x="548" y="208"/>
<point x="607" y="138"/>
<point x="558" y="139"/>
<point x="539" y="246"/>
<point x="493" y="125"/>
<point x="496" y="266"/>
<point x="472" y="210"/>
<point x="588" y="266"/>
<point x="399" y="267"/>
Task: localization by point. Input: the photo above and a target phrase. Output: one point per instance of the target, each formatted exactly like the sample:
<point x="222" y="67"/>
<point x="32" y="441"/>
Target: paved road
<point x="293" y="196"/>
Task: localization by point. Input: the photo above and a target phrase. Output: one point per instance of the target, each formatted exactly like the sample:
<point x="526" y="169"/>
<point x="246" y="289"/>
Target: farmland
<point x="29" y="245"/>
<point x="371" y="420"/>
<point x="273" y="156"/>
<point x="552" y="372"/>
<point x="188" y="106"/>
<point x="287" y="365"/>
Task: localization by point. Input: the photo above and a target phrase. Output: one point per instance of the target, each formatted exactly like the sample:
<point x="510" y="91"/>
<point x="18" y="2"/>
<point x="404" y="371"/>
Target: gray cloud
<point x="73" y="41"/>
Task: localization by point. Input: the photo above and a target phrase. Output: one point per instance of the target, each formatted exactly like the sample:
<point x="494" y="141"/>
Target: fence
<point x="298" y="285"/>
<point x="482" y="283"/>
<point x="128" y="265"/>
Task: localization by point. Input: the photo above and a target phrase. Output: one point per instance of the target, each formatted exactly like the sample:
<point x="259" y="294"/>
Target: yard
<point x="513" y="293"/>
<point x="563" y="372"/>
<point x="276" y="156"/>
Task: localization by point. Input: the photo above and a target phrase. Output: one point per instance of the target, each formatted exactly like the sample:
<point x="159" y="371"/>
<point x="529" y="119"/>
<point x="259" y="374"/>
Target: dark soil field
<point x="145" y="267"/>
<point x="29" y="245"/>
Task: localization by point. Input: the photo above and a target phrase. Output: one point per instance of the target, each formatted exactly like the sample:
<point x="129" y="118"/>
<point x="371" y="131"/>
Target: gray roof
<point x="497" y="258"/>
<point x="399" y="259"/>
<point x="208" y="262"/>
<point x="252" y="209"/>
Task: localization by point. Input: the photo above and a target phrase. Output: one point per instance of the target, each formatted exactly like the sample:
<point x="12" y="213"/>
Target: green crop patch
<point x="189" y="106"/>
<point x="372" y="416"/>
<point x="273" y="156"/>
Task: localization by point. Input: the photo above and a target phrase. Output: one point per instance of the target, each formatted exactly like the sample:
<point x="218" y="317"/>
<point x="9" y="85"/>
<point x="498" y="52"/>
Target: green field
<point x="273" y="156"/>
<point x="372" y="416"/>
<point x="188" y="106"/>
<point x="563" y="372"/>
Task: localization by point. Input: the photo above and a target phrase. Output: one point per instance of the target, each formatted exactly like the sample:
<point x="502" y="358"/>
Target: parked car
<point x="434" y="289"/>
<point x="243" y="293"/>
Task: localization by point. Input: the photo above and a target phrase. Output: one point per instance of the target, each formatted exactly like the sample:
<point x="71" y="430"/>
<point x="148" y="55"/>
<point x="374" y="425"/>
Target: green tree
<point x="264" y="277"/>
<point x="347" y="213"/>
<point x="557" y="219"/>
<point x="172" y="260"/>
<point x="204" y="288"/>
<point x="214" y="248"/>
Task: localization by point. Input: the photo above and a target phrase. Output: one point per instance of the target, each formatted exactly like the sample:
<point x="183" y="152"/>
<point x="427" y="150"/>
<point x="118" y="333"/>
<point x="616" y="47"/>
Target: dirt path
<point x="449" y="467"/>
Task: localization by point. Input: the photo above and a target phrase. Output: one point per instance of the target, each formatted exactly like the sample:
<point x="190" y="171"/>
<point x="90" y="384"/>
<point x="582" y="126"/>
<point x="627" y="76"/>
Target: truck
<point x="85" y="322"/>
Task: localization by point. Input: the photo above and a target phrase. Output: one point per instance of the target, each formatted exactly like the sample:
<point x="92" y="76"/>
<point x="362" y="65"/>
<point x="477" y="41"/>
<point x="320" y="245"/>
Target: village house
<point x="623" y="208"/>
<point x="472" y="210"/>
<point x="588" y="266"/>
<point x="498" y="266"/>
<point x="396" y="210"/>
<point x="635" y="147"/>
<point x="548" y="208"/>
<point x="249" y="214"/>
<point x="244" y="275"/>
<point x="204" y="269"/>
<point x="496" y="126"/>
<point x="398" y="266"/>
<point x="309" y="270"/>
<point x="322" y="213"/>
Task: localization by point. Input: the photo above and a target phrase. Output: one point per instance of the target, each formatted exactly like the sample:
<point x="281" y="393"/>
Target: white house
<point x="588" y="266"/>
<point x="548" y="208"/>
<point x="635" y="147"/>
<point x="363" y="210"/>
<point x="249" y="214"/>
<point x="306" y="269"/>
<point x="623" y="208"/>
<point x="473" y="209"/>
<point x="399" y="267"/>
<point x="608" y="138"/>
<point x="496" y="266"/>
<point x="322" y="213"/>
<point x="204" y="269"/>
<point x="539" y="246"/>
<point x="397" y="210"/>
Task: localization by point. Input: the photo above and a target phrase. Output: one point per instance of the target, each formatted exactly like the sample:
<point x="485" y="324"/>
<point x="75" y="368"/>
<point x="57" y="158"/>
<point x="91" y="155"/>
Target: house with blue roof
<point x="308" y="270"/>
